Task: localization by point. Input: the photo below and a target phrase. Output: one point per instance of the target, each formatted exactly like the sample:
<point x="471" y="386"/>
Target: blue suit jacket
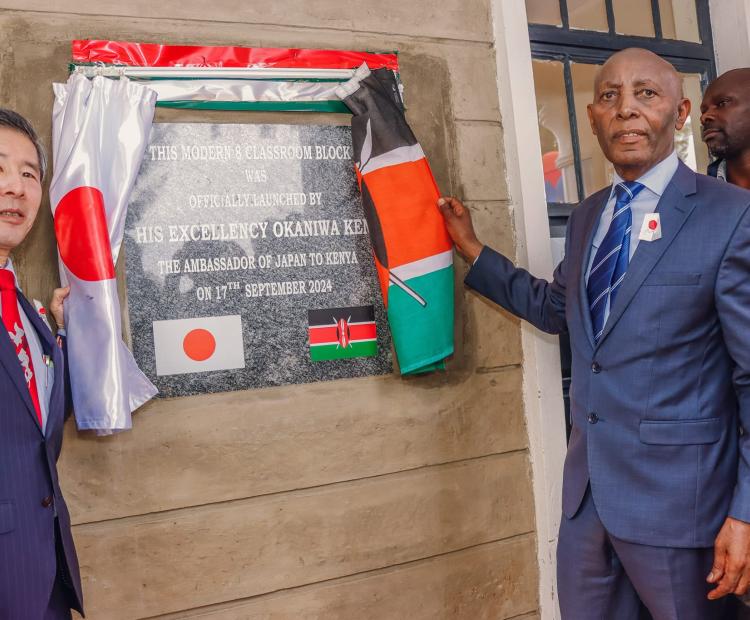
<point x="659" y="402"/>
<point x="28" y="475"/>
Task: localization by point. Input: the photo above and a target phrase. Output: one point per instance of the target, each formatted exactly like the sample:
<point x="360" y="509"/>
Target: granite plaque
<point x="248" y="260"/>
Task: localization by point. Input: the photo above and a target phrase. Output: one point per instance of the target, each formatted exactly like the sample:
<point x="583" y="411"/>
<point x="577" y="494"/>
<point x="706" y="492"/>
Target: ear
<point x="683" y="112"/>
<point x="590" y="112"/>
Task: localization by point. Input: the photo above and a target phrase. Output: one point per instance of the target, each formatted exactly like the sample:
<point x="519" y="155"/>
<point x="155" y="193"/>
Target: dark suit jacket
<point x="29" y="489"/>
<point x="658" y="403"/>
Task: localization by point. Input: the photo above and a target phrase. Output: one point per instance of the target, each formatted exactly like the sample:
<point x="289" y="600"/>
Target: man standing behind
<point x="653" y="290"/>
<point x="725" y="119"/>
<point x="39" y="577"/>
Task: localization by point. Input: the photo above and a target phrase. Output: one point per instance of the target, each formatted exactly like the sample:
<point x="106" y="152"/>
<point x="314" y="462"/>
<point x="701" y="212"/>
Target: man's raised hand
<point x="458" y="222"/>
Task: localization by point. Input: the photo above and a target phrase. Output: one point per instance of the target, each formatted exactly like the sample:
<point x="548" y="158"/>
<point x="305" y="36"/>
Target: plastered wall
<point x="378" y="498"/>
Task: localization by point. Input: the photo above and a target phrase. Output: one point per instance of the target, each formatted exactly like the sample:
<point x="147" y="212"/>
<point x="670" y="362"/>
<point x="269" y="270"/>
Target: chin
<point x="630" y="159"/>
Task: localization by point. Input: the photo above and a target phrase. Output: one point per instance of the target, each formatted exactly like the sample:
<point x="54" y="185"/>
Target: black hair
<point x="13" y="120"/>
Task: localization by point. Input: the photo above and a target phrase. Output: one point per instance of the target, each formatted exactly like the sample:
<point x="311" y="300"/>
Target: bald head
<point x="725" y="115"/>
<point x="646" y="63"/>
<point x="737" y="80"/>
<point x="637" y="107"/>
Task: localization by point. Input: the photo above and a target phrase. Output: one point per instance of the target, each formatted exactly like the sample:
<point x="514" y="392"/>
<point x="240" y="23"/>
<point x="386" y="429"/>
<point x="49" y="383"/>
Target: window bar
<point x="564" y="14"/>
<point x="705" y="34"/>
<point x="610" y="16"/>
<point x="656" y="13"/>
<point x="568" y="78"/>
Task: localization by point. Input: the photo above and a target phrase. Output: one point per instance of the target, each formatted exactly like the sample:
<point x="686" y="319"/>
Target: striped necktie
<point x="612" y="257"/>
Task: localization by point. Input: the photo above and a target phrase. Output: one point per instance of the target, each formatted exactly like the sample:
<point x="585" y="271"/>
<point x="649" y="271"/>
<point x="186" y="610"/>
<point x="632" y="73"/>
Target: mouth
<point x="12" y="215"/>
<point x="629" y="136"/>
<point x="708" y="134"/>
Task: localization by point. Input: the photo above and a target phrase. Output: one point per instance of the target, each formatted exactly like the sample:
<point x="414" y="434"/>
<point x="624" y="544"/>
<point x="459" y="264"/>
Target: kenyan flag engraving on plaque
<point x="341" y="333"/>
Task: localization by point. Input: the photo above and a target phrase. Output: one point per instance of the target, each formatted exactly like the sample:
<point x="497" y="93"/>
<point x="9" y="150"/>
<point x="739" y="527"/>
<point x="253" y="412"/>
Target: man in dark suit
<point x="725" y="121"/>
<point x="654" y="291"/>
<point x="39" y="578"/>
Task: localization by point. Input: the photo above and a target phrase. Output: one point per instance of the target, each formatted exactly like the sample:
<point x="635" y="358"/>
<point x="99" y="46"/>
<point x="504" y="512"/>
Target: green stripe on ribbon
<point x="260" y="106"/>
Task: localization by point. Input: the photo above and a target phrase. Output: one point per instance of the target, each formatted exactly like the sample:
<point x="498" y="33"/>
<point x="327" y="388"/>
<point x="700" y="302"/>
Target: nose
<point x="707" y="116"/>
<point x="628" y="107"/>
<point x="11" y="184"/>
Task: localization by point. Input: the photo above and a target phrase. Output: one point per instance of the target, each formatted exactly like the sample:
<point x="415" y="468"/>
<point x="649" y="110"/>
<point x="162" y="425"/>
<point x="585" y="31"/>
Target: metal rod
<point x="213" y="72"/>
<point x="564" y="17"/>
<point x="704" y="32"/>
<point x="656" y="14"/>
<point x="569" y="95"/>
<point x="610" y="16"/>
<point x="543" y="36"/>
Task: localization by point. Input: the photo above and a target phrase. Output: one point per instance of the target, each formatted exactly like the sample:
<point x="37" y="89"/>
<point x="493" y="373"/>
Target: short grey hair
<point x="13" y="120"/>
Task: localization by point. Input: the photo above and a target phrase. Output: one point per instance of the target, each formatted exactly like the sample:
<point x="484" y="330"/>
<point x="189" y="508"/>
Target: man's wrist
<point x="473" y="251"/>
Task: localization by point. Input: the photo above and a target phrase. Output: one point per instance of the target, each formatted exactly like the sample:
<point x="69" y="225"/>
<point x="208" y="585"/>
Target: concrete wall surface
<point x="412" y="500"/>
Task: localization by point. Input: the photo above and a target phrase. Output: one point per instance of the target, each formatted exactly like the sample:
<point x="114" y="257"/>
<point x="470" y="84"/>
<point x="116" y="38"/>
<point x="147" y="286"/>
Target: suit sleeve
<point x="535" y="300"/>
<point x="733" y="305"/>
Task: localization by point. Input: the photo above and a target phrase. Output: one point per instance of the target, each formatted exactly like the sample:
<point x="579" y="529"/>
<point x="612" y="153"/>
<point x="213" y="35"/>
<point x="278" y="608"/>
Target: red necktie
<point x="14" y="327"/>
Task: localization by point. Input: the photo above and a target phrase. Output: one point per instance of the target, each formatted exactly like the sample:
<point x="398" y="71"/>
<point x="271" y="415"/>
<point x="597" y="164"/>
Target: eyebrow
<point x="646" y="82"/>
<point x="25" y="162"/>
<point x="640" y="82"/>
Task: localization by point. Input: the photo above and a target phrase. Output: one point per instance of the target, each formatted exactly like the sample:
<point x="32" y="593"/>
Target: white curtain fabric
<point x="243" y="90"/>
<point x="100" y="132"/>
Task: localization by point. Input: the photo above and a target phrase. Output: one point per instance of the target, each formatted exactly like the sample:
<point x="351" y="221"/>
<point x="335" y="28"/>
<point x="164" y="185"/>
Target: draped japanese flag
<point x="413" y="252"/>
<point x="100" y="130"/>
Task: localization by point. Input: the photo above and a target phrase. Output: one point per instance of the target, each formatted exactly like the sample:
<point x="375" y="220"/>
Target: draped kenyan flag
<point x="413" y="252"/>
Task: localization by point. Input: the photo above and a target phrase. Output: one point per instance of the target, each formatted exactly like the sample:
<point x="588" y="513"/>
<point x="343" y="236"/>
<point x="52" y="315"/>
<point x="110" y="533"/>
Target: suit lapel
<point x="674" y="207"/>
<point x="591" y="220"/>
<point x="49" y="346"/>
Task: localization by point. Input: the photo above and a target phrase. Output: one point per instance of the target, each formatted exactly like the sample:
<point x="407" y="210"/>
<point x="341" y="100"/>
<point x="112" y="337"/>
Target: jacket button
<point x="47" y="502"/>
<point x="593" y="418"/>
<point x="596" y="368"/>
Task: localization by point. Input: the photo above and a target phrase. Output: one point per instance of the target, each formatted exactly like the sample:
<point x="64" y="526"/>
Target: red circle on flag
<point x="199" y="345"/>
<point x="652" y="224"/>
<point x="82" y="235"/>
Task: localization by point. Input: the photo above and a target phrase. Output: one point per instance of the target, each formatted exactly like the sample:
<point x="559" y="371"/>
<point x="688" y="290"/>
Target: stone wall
<point x="412" y="500"/>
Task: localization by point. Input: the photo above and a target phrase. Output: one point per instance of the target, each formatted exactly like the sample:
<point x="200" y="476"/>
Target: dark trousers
<point x="601" y="577"/>
<point x="59" y="603"/>
<point x="60" y="597"/>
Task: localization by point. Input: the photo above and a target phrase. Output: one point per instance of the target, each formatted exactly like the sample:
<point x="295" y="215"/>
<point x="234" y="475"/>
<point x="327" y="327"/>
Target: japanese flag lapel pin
<point x="651" y="229"/>
<point x="40" y="310"/>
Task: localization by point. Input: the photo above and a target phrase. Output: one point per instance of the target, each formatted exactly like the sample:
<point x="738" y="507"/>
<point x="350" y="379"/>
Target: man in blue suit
<point x="654" y="291"/>
<point x="39" y="578"/>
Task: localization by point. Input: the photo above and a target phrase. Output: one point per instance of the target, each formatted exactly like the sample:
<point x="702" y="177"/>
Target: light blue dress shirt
<point x="44" y="374"/>
<point x="655" y="182"/>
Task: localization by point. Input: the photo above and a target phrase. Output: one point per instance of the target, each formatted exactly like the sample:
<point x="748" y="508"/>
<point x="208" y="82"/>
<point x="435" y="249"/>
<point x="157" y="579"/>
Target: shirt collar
<point x="657" y="178"/>
<point x="9" y="267"/>
<point x="721" y="171"/>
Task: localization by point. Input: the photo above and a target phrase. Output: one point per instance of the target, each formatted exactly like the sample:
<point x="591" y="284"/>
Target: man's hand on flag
<point x="56" y="305"/>
<point x="460" y="228"/>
